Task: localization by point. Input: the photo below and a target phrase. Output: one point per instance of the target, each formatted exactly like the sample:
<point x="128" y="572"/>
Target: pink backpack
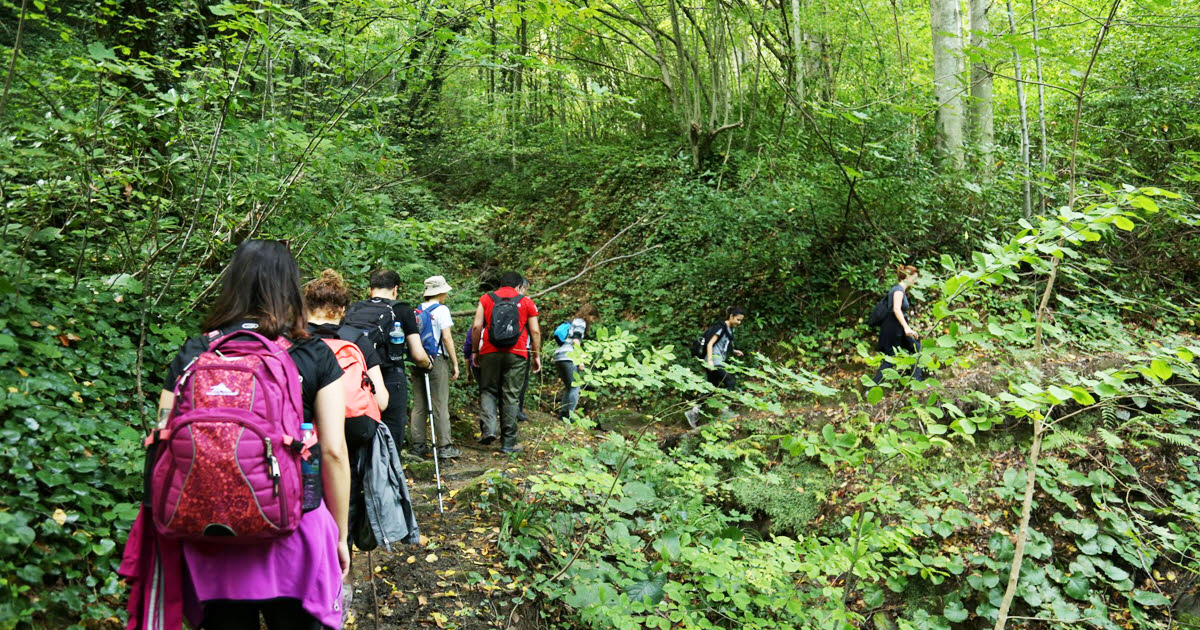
<point x="227" y="466"/>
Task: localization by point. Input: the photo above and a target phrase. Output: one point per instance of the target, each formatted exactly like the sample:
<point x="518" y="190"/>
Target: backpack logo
<point x="221" y="389"/>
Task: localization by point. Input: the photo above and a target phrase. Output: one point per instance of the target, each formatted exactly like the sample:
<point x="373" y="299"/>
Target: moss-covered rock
<point x="492" y="488"/>
<point x="419" y="471"/>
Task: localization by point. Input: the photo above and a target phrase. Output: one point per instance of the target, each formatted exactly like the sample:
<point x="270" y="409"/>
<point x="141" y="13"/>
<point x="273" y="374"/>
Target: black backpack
<point x="505" y="328"/>
<point x="375" y="318"/>
<point x="882" y="309"/>
<point x="699" y="347"/>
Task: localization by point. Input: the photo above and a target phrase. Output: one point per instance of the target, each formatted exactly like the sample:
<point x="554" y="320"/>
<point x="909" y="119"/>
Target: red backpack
<point x="360" y="391"/>
<point x="226" y="468"/>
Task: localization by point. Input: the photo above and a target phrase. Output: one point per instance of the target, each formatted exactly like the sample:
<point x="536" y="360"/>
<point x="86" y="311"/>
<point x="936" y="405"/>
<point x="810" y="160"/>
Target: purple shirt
<point x="303" y="565"/>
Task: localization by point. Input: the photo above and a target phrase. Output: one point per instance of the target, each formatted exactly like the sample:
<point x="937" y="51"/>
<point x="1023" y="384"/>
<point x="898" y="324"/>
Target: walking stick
<point x="437" y="471"/>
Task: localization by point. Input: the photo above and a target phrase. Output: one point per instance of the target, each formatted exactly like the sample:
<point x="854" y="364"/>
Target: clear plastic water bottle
<point x="396" y="343"/>
<point x="310" y="471"/>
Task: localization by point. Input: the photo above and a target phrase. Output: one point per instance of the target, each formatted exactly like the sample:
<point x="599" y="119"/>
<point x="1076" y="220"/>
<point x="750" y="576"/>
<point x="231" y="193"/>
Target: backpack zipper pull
<point x="273" y="466"/>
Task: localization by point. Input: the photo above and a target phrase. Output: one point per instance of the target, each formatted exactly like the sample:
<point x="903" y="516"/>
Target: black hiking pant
<point x="396" y="414"/>
<point x="279" y="614"/>
<point x="909" y="345"/>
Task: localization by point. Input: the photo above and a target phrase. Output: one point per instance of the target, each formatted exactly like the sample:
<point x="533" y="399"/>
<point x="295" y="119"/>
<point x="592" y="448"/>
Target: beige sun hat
<point x="436" y="285"/>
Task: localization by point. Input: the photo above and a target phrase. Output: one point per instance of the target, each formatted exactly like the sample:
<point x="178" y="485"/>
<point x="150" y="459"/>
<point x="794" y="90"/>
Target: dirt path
<point x="457" y="578"/>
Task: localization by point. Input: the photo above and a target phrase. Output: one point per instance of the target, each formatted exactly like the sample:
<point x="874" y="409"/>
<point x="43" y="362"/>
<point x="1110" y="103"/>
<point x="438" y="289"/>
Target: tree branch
<point x="588" y="268"/>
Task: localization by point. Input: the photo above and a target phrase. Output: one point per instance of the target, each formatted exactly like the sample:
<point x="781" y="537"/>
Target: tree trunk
<point x="1023" y="112"/>
<point x="946" y="23"/>
<point x="1041" y="90"/>
<point x="797" y="42"/>
<point x="982" y="131"/>
<point x="1014" y="573"/>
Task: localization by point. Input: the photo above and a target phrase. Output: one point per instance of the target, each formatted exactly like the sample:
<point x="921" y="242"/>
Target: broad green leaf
<point x="1144" y="202"/>
<point x="1149" y="598"/>
<point x="650" y="590"/>
<point x="1160" y="369"/>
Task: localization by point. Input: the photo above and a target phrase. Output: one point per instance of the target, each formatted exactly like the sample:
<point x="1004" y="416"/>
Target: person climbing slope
<point x="895" y="332"/>
<point x="564" y="364"/>
<point x="716" y="345"/>
<point x="504" y="321"/>
<point x="435" y="323"/>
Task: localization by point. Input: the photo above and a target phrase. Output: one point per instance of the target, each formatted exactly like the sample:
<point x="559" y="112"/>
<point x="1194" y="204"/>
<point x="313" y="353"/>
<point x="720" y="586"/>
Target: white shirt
<point x="575" y="332"/>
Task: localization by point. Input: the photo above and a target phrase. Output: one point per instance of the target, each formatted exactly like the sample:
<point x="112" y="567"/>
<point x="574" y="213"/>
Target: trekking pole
<point x="374" y="593"/>
<point x="437" y="471"/>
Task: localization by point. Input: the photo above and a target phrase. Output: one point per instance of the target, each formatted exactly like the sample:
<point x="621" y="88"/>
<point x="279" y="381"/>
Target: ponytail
<point x="904" y="271"/>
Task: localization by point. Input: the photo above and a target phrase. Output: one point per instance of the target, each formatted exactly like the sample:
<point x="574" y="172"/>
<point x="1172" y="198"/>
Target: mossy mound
<point x="790" y="500"/>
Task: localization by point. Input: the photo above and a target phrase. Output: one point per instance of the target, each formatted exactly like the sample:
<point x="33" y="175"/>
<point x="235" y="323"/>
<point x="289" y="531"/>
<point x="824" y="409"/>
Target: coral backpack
<point x="360" y="391"/>
<point x="227" y="466"/>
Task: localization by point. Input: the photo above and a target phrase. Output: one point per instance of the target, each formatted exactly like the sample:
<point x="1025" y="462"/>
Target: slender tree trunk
<point x="946" y="23"/>
<point x="12" y="61"/>
<point x="797" y="53"/>
<point x="1014" y="573"/>
<point x="982" y="131"/>
<point x="902" y="56"/>
<point x="492" y="38"/>
<point x="1041" y="89"/>
<point x="1023" y="112"/>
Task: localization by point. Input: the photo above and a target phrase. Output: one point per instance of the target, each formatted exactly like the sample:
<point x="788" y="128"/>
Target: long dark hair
<point x="262" y="283"/>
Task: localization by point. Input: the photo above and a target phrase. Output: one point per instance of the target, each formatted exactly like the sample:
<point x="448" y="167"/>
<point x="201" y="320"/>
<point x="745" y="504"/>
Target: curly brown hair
<point x="588" y="312"/>
<point x="327" y="292"/>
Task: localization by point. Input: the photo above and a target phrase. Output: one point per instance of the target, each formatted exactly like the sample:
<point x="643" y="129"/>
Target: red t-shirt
<point x="525" y="309"/>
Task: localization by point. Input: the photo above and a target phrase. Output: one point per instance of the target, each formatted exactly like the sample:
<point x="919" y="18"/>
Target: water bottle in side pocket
<point x="310" y="472"/>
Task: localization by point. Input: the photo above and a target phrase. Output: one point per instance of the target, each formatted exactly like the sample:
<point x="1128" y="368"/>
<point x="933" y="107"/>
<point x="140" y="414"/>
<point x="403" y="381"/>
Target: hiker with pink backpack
<point x="230" y="529"/>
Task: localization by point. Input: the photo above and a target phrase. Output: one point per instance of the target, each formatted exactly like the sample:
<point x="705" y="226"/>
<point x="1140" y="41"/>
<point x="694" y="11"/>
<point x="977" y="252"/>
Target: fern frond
<point x="1110" y="439"/>
<point x="1108" y="412"/>
<point x="1061" y="438"/>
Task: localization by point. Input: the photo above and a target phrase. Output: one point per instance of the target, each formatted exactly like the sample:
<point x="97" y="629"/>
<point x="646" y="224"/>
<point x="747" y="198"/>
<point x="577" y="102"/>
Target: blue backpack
<point x="431" y="341"/>
<point x="561" y="332"/>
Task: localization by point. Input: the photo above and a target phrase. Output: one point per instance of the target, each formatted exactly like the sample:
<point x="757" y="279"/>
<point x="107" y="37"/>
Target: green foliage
<point x="790" y="497"/>
<point x="70" y="442"/>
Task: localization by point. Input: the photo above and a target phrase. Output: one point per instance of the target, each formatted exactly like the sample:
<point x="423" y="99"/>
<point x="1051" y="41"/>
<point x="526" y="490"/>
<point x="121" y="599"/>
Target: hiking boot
<point x="515" y="448"/>
<point x="522" y="417"/>
<point x="693" y="417"/>
<point x="421" y="450"/>
<point x="448" y="451"/>
<point x="487" y="439"/>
